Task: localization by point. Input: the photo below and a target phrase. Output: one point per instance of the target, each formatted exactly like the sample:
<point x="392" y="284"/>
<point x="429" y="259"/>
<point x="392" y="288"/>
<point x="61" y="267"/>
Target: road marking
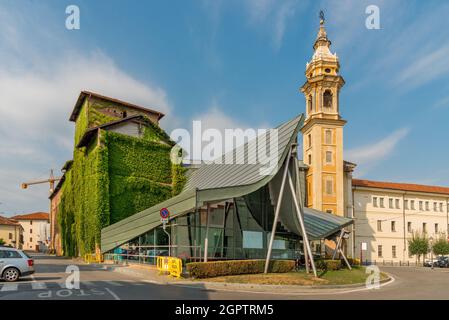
<point x="112" y="294"/>
<point x="61" y="284"/>
<point x="113" y="283"/>
<point x="38" y="285"/>
<point x="152" y="281"/>
<point x="10" y="287"/>
<point x="88" y="283"/>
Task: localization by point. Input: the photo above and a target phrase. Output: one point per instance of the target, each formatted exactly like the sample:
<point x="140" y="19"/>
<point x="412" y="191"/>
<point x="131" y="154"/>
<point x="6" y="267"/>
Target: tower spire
<point x="321" y="39"/>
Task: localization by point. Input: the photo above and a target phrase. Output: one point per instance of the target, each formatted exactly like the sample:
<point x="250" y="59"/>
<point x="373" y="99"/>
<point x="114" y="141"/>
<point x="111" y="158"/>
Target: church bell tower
<point x="323" y="128"/>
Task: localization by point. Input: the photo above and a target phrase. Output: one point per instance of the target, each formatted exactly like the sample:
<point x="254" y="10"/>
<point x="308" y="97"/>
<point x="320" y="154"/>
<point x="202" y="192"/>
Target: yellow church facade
<point x="385" y="214"/>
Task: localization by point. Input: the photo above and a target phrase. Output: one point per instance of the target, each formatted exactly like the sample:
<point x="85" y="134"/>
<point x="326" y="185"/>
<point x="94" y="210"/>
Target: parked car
<point x="443" y="262"/>
<point x="14" y="264"/>
<point x="430" y="263"/>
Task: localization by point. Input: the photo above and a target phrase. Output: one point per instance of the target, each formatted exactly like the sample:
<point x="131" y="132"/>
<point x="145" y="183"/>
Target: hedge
<point x="328" y="265"/>
<point x="235" y="267"/>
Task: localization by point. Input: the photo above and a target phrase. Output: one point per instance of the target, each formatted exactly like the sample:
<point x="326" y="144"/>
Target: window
<point x="329" y="211"/>
<point x="441" y="206"/>
<point x="393" y="251"/>
<point x="310" y="159"/>
<point x="435" y="206"/>
<point x="393" y="226"/>
<point x="10" y="254"/>
<point x="379" y="251"/>
<point x="379" y="225"/>
<point x="406" y="204"/>
<point x="381" y="202"/>
<point x="327" y="99"/>
<point x="329" y="185"/>
<point x="427" y="206"/>
<point x="412" y="204"/>
<point x="124" y="114"/>
<point x="31" y="222"/>
<point x="397" y="204"/>
<point x="421" y="208"/>
<point x="424" y="227"/>
<point x="375" y="202"/>
<point x="31" y="230"/>
<point x="409" y="227"/>
<point x="390" y="203"/>
<point x="310" y="104"/>
<point x="10" y="236"/>
<point x="328" y="156"/>
<point x="436" y="227"/>
<point x="309" y="139"/>
<point x="31" y="239"/>
<point x="328" y="137"/>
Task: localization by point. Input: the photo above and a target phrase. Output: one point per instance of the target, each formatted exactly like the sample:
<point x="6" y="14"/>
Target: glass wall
<point x="238" y="228"/>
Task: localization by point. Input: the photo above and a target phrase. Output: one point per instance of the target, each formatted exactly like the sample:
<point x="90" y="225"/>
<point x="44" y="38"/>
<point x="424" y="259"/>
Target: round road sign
<point x="164" y="213"/>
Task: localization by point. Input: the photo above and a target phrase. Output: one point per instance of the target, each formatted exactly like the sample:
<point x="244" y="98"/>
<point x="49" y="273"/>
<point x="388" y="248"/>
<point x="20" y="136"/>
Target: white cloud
<point x="38" y="93"/>
<point x="370" y="155"/>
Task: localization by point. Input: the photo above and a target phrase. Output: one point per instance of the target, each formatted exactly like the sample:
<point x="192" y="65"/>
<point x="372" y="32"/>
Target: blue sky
<point x="230" y="64"/>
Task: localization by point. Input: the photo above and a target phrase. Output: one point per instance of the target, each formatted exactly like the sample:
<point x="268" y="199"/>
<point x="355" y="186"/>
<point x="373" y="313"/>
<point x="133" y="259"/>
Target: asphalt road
<point x="49" y="282"/>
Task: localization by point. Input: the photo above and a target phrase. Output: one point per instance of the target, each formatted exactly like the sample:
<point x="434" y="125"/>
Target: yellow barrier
<point x="171" y="265"/>
<point x="93" y="258"/>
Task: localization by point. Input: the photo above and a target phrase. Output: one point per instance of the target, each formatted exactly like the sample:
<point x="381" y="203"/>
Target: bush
<point x="352" y="262"/>
<point x="328" y="265"/>
<point x="235" y="267"/>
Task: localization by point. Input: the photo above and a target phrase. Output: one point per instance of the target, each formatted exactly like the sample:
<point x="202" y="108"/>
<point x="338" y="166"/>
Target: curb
<point x="256" y="288"/>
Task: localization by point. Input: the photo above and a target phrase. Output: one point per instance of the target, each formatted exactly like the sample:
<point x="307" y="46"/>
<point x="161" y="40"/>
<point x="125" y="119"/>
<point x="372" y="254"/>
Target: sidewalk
<point x="150" y="274"/>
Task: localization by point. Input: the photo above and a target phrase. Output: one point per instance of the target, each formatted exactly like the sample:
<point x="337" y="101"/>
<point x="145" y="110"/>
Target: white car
<point x="14" y="264"/>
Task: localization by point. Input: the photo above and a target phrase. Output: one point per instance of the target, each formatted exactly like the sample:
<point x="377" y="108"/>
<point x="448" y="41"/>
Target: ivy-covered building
<point x="121" y="165"/>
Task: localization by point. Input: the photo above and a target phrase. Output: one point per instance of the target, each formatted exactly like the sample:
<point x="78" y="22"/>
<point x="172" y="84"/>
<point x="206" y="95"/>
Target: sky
<point x="230" y="64"/>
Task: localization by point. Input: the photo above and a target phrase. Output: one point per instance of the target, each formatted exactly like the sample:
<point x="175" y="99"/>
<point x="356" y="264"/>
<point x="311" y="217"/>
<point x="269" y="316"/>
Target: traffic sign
<point x="164" y="213"/>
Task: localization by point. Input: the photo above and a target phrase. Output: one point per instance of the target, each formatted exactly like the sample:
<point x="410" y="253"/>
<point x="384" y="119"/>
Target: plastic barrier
<point x="170" y="265"/>
<point x="93" y="258"/>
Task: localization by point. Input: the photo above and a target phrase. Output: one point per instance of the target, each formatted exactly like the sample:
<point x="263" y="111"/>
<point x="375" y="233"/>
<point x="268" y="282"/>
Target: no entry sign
<point x="164" y="213"/>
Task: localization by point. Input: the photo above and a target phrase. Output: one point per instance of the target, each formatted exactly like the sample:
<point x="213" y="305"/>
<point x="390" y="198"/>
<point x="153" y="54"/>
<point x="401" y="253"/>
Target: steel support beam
<point x="278" y="209"/>
<point x="301" y="222"/>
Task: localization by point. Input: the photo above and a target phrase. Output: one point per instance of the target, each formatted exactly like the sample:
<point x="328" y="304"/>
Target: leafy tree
<point x="418" y="245"/>
<point x="2" y="242"/>
<point x="441" y="245"/>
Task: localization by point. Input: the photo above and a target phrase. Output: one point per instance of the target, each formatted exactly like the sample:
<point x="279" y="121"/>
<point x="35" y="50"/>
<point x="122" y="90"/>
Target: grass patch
<point x="337" y="277"/>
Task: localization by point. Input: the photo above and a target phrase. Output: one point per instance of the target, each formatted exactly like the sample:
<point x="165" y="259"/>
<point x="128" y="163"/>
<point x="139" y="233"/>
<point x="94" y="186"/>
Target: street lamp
<point x="431" y="251"/>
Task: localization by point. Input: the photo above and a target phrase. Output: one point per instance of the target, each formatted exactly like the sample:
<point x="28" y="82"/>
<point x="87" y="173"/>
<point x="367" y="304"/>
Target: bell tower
<point x="323" y="128"/>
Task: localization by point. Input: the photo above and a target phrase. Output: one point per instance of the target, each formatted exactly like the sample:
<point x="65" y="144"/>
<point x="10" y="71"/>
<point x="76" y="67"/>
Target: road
<point x="49" y="282"/>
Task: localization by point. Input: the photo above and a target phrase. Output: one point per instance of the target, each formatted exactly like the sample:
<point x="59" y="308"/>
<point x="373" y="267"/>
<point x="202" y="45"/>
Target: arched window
<point x="327" y="99"/>
<point x="309" y="101"/>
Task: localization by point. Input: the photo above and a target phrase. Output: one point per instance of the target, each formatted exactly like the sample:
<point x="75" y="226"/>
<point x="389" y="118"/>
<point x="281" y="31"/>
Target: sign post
<point x="363" y="247"/>
<point x="165" y="214"/>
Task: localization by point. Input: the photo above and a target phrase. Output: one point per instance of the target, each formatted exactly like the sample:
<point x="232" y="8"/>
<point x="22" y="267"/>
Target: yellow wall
<point x="16" y="231"/>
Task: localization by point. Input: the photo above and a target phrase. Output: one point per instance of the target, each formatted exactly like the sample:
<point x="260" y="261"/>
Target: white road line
<point x="152" y="281"/>
<point x="38" y="285"/>
<point x="112" y="294"/>
<point x="113" y="283"/>
<point x="88" y="283"/>
<point x="9" y="287"/>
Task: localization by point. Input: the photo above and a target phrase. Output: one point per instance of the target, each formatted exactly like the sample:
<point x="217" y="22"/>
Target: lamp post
<point x="431" y="251"/>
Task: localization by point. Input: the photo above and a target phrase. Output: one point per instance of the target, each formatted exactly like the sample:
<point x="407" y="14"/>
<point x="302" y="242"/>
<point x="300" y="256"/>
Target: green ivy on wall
<point x="112" y="178"/>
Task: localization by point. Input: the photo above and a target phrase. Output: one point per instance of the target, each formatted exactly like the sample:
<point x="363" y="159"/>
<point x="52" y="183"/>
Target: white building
<point x="386" y="214"/>
<point x="36" y="230"/>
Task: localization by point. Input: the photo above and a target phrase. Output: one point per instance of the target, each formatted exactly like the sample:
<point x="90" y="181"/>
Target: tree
<point x="418" y="245"/>
<point x="2" y="242"/>
<point x="441" y="245"/>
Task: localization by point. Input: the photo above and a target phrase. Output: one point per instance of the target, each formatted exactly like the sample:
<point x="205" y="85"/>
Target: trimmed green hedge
<point x="328" y="265"/>
<point x="235" y="267"/>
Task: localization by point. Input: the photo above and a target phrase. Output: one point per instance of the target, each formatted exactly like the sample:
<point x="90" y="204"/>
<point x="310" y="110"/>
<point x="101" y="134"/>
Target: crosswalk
<point x="6" y="287"/>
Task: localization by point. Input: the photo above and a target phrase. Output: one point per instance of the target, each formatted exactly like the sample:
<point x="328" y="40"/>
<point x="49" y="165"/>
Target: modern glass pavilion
<point x="227" y="211"/>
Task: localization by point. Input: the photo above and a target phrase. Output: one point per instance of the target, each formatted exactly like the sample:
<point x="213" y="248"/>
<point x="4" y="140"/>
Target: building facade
<point x="36" y="230"/>
<point x="11" y="233"/>
<point x="387" y="214"/>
